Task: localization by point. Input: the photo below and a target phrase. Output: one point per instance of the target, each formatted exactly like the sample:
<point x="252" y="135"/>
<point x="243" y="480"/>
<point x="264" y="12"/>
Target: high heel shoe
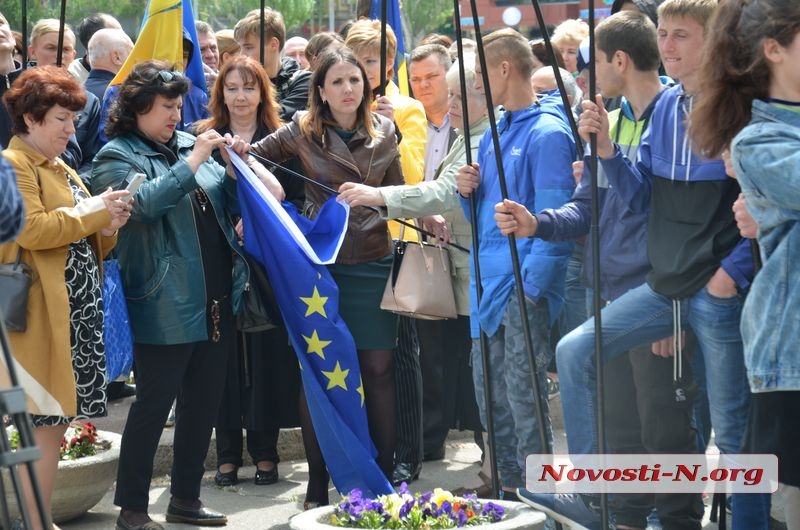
<point x="228" y="478"/>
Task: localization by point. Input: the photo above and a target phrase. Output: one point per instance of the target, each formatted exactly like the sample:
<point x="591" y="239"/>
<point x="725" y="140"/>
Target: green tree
<point x="421" y="17"/>
<point x="224" y="13"/>
<point x="125" y="10"/>
<point x="219" y="13"/>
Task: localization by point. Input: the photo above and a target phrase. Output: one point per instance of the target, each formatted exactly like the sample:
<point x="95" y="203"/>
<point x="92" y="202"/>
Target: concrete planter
<point x="81" y="483"/>
<point x="518" y="515"/>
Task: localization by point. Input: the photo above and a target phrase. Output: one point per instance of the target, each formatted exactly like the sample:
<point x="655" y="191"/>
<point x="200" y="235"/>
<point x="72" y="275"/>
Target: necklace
<point x="202" y="198"/>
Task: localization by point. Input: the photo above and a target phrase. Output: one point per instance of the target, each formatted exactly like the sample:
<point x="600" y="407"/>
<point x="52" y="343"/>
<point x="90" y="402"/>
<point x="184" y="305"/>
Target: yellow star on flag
<point x="337" y="377"/>
<point x="315" y="303"/>
<point x="315" y="345"/>
<point x="360" y="390"/>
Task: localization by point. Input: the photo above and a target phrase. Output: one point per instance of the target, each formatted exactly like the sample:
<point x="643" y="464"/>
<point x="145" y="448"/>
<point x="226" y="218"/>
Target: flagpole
<point x="61" y="29"/>
<point x="24" y="22"/>
<point x="596" y="302"/>
<point x="483" y="339"/>
<point x="262" y="30"/>
<point x="384" y="16"/>
<point x="523" y="308"/>
<point x="335" y="192"/>
<point x="551" y="54"/>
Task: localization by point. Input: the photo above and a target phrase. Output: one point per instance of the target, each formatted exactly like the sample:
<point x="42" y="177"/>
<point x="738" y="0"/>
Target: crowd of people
<point x="697" y="141"/>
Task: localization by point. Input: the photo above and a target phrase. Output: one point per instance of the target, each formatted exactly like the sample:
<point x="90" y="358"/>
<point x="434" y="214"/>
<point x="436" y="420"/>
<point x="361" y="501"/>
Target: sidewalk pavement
<point x="254" y="507"/>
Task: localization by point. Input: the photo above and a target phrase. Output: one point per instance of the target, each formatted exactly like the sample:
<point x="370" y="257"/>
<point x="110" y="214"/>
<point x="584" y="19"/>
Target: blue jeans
<point x="516" y="430"/>
<point x="574" y="312"/>
<point x="642" y="316"/>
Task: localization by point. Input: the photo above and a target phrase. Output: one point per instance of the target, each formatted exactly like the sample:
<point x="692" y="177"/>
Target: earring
<point x="324" y="101"/>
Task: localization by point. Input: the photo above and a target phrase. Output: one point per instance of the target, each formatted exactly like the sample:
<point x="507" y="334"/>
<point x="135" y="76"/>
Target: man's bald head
<point x="108" y="49"/>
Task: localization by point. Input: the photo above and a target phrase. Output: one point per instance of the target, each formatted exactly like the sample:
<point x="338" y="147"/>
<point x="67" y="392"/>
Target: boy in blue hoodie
<point x="537" y="151"/>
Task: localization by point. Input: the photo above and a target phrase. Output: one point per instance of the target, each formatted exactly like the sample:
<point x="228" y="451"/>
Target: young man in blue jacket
<point x="537" y="151"/>
<point x="701" y="267"/>
<point x="642" y="415"/>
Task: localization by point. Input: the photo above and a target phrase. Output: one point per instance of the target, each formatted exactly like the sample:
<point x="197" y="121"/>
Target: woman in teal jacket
<point x="183" y="280"/>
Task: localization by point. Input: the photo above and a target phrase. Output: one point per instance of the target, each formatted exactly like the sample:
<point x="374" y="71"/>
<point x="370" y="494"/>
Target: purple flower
<point x="356" y="495"/>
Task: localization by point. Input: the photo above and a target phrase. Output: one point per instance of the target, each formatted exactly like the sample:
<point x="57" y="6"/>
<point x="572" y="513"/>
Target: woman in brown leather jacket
<point x="339" y="140"/>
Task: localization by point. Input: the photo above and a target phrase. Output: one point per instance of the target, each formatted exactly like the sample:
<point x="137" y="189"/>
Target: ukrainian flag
<point x="161" y="37"/>
<point x="394" y="20"/>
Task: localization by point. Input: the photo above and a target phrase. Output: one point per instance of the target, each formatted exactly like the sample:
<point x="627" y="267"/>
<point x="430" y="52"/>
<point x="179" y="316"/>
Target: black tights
<point x="377" y="373"/>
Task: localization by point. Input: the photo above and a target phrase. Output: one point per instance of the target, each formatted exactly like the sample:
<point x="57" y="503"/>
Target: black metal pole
<point x="483" y="339"/>
<point x="61" y="28"/>
<point x="551" y="53"/>
<point x="512" y="243"/>
<point x="596" y="302"/>
<point x="383" y="81"/>
<point x="262" y="28"/>
<point x="24" y="23"/>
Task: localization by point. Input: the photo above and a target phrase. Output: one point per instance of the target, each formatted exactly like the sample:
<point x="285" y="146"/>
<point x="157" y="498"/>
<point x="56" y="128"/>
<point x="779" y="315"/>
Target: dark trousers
<point x="193" y="373"/>
<point x="262" y="446"/>
<point x="408" y="392"/>
<point x="643" y="416"/>
<point x="448" y="392"/>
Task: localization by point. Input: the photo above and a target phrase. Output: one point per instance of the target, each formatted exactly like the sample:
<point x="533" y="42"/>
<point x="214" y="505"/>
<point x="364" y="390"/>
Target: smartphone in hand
<point x="132" y="184"/>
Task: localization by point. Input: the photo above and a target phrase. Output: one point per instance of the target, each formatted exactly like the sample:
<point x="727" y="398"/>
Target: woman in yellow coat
<point x="60" y="357"/>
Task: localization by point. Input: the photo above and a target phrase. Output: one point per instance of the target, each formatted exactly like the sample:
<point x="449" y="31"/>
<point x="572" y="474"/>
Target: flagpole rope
<point x="335" y="192"/>
<point x="483" y="339"/>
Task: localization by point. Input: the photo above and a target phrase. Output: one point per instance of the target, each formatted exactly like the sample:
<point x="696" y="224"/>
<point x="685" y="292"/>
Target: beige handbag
<point x="420" y="284"/>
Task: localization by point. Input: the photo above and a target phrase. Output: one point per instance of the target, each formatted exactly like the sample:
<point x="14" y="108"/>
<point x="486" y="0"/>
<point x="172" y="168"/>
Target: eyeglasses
<point x="168" y="76"/>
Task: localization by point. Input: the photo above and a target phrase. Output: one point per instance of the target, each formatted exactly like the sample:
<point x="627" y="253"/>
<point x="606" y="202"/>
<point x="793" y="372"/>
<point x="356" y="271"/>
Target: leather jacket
<point x="332" y="161"/>
<point x="158" y="249"/>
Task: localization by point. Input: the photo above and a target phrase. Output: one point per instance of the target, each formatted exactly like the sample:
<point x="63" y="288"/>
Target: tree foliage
<point x="219" y="13"/>
<point x="424" y="16"/>
<point x="224" y="13"/>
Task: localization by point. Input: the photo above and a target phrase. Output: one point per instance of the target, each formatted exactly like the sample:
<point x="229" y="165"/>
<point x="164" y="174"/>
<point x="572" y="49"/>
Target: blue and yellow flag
<point x="161" y="37"/>
<point x="394" y="20"/>
<point x="294" y="250"/>
<point x="164" y="26"/>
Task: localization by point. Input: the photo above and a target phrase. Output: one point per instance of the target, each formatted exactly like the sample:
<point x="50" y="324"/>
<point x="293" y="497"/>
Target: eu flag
<point x="294" y="250"/>
<point x="394" y="20"/>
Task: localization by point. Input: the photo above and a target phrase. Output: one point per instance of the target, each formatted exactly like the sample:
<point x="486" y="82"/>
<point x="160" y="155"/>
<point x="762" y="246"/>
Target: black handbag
<point x="260" y="311"/>
<point x="15" y="282"/>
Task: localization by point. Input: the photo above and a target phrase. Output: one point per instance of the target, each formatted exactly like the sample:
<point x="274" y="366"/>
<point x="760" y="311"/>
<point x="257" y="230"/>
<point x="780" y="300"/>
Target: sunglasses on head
<point x="168" y="76"/>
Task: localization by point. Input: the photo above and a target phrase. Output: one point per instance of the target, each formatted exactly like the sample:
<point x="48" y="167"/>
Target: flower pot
<point x="518" y="515"/>
<point x="80" y="484"/>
